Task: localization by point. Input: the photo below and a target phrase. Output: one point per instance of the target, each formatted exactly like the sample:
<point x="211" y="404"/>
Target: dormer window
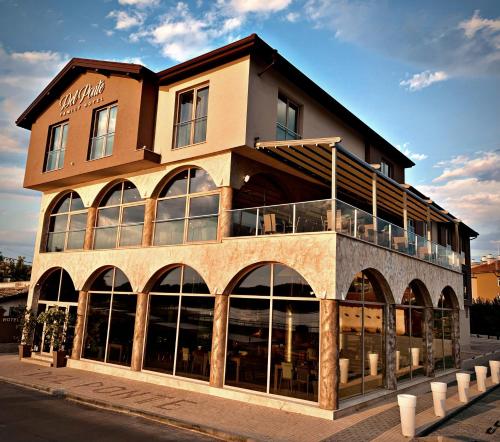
<point x="56" y="147"/>
<point x="288" y="117"/>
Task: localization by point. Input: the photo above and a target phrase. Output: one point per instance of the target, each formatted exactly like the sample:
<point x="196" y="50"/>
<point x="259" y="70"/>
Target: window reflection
<point x="443" y="333"/>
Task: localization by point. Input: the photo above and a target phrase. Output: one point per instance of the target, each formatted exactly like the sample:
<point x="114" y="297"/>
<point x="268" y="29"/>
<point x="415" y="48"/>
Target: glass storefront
<point x="443" y="333"/>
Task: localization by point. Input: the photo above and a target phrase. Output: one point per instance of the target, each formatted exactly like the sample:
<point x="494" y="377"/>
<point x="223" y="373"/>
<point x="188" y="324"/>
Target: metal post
<point x="257" y="223"/>
<point x="294" y="220"/>
<point x="355" y="223"/>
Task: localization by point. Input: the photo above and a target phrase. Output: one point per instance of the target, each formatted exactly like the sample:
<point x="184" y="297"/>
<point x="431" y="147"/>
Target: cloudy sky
<point x="425" y="75"/>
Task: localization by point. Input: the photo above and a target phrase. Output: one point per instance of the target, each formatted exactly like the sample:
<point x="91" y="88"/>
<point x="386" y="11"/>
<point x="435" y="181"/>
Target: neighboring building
<point x="13" y="295"/>
<point x="486" y="278"/>
<point x="226" y="226"/>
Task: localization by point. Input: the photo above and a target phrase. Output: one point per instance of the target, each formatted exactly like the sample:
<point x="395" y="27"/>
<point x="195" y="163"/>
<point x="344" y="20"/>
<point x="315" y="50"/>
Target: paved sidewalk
<point x="224" y="418"/>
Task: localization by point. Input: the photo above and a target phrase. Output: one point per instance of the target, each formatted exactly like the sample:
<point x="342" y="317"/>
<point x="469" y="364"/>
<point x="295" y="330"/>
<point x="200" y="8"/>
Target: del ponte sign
<point x="85" y="96"/>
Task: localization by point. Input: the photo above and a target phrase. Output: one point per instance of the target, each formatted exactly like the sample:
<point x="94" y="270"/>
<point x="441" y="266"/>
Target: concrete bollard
<point x="398" y="355"/>
<point x="407" y="404"/>
<point x="481" y="372"/>
<point x="373" y="358"/>
<point x="439" y="398"/>
<point x="415" y="356"/>
<point x="495" y="372"/>
<point x="344" y="370"/>
<point x="463" y="381"/>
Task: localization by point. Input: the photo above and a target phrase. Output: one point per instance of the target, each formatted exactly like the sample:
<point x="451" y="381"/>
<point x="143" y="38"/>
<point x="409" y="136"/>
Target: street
<point x="28" y="415"/>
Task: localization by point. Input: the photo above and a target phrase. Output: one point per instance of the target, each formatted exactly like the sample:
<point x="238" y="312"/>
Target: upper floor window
<point x="386" y="169"/>
<point x="191" y="117"/>
<point x="120" y="218"/>
<point x="56" y="147"/>
<point x="103" y="132"/>
<point x="288" y="117"/>
<point x="187" y="209"/>
<point x="67" y="224"/>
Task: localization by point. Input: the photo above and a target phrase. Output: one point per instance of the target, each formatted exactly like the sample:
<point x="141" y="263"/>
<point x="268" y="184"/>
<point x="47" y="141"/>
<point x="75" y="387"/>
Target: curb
<point x="174" y="422"/>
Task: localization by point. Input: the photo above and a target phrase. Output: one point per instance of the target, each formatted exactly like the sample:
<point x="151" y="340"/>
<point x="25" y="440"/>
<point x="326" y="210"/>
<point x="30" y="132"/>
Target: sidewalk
<point x="223" y="418"/>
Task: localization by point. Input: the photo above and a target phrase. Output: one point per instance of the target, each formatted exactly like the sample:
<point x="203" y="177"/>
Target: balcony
<point x="317" y="216"/>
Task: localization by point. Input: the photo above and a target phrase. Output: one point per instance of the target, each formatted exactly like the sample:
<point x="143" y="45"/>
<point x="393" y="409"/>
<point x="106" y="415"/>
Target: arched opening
<point x="411" y="332"/>
<point x="120" y="217"/>
<point x="362" y="335"/>
<point x="110" y="318"/>
<point x="273" y="333"/>
<point x="66" y="224"/>
<point x="180" y="322"/>
<point x="56" y="290"/>
<point x="444" y="318"/>
<point x="187" y="209"/>
<point x="260" y="190"/>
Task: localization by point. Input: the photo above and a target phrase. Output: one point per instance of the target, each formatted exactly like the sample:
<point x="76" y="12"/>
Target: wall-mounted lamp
<point x="247" y="178"/>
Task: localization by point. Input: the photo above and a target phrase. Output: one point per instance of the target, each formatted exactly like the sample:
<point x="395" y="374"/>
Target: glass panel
<point x="193" y="282"/>
<point x="55" y="242"/>
<point x="78" y="221"/>
<point x="64" y="138"/>
<point x="108" y="217"/>
<point x="256" y="283"/>
<point x="63" y="204"/>
<point x="76" y="202"/>
<point x="68" y="292"/>
<point x="70" y="329"/>
<point x="105" y="238"/>
<point x="169" y="232"/>
<point x="351" y="355"/>
<point x="281" y="115"/>
<point x="103" y="281"/>
<point x="185" y="107"/>
<point x="247" y="343"/>
<point x="113" y="197"/>
<point x="200" y="181"/>
<point x="204" y="205"/>
<point x="130" y="193"/>
<point x="121" y="329"/>
<point x="177" y="186"/>
<point x="417" y="342"/>
<point x="94" y="344"/>
<point x="58" y="223"/>
<point x="403" y="344"/>
<point x="122" y="283"/>
<point x="277" y="219"/>
<point x="51" y="161"/>
<point x="50" y="287"/>
<point x="131" y="235"/>
<point x="437" y="341"/>
<point x="102" y="122"/>
<point x="202" y="229"/>
<point x="172" y="208"/>
<point x="295" y="349"/>
<point x="183" y="137"/>
<point x="280" y="133"/>
<point x="195" y="337"/>
<point x="56" y="138"/>
<point x="447" y="339"/>
<point x="170" y="282"/>
<point x="160" y="338"/>
<point x="287" y="282"/>
<point x="112" y="119"/>
<point x="60" y="160"/>
<point x="313" y="216"/>
<point x="292" y="117"/>
<point x="202" y="103"/>
<point x="75" y="240"/>
<point x="200" y="130"/>
<point x="244" y="222"/>
<point x="110" y="141"/>
<point x="374" y="345"/>
<point x="97" y="148"/>
<point x="133" y="214"/>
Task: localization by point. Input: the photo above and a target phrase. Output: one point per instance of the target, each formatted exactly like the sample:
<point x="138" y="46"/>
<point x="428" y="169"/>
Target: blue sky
<point x="425" y="75"/>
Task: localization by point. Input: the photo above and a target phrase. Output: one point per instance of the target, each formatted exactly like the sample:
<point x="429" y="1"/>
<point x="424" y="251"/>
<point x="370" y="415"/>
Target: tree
<point x="484" y="317"/>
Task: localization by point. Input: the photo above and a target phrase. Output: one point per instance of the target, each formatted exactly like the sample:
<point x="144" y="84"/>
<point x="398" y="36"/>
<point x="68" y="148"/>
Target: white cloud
<point x="139" y="3"/>
<point x="231" y="24"/>
<point x="476" y="24"/>
<point x="412" y="155"/>
<point x="485" y="167"/>
<point x="35" y="57"/>
<point x="127" y="20"/>
<point x="292" y="17"/>
<point x="423" y="80"/>
<point x="245" y="6"/>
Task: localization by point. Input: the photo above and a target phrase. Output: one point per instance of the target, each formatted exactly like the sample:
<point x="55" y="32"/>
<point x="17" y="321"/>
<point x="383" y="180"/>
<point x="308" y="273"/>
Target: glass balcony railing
<point x="318" y="216"/>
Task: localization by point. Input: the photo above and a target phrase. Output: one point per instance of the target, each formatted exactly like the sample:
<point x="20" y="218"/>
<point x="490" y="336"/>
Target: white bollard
<point x="398" y="355"/>
<point x="439" y="398"/>
<point x="415" y="356"/>
<point x="463" y="381"/>
<point x="373" y="357"/>
<point x="344" y="370"/>
<point x="407" y="404"/>
<point x="495" y="372"/>
<point x="481" y="372"/>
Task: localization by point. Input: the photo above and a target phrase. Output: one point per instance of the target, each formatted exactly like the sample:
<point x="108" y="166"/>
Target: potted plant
<point x="54" y="320"/>
<point x="26" y="326"/>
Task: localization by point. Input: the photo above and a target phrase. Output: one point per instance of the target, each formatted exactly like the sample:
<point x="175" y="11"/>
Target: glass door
<point x="69" y="329"/>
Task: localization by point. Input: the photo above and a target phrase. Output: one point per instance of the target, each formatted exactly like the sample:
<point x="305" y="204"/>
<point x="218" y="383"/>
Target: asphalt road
<point x="28" y="415"/>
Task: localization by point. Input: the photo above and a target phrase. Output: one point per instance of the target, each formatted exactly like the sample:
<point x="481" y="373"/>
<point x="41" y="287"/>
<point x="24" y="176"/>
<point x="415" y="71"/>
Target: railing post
<point x="257" y="223"/>
<point x="355" y="223"/>
<point x="294" y="218"/>
<point x="390" y="236"/>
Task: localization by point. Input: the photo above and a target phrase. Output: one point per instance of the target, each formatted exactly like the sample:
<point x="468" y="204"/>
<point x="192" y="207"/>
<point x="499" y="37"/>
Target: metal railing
<point x="338" y="216"/>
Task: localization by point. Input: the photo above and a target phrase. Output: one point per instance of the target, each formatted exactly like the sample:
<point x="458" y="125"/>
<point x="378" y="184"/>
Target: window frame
<point x="390" y="168"/>
<point x="284" y="97"/>
<point x="59" y="150"/>
<point x="193" y="119"/>
<point x="95" y="125"/>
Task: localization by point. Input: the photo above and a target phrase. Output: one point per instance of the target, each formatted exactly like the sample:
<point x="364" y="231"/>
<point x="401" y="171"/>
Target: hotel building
<point x="226" y="226"/>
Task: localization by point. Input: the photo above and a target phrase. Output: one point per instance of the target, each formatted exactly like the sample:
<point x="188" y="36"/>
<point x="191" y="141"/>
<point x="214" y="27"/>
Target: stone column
<point x="149" y="217"/>
<point x="329" y="354"/>
<point x="226" y="203"/>
<point x="76" y="352"/>
<point x="389" y="366"/>
<point x="218" y="354"/>
<point x="428" y="323"/>
<point x="139" y="331"/>
<point x="455" y="338"/>
<point x="89" y="232"/>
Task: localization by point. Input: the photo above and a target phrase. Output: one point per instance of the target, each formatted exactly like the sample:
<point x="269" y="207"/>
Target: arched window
<point x="56" y="291"/>
<point x="109" y="331"/>
<point x="180" y="321"/>
<point x="187" y="209"/>
<point x="410" y="339"/>
<point x="273" y="333"/>
<point x="120" y="218"/>
<point x="67" y="224"/>
<point x="361" y="337"/>
<point x="443" y="331"/>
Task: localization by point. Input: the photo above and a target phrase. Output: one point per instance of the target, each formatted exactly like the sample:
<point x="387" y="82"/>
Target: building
<point x="13" y="296"/>
<point x="486" y="278"/>
<point x="227" y="226"/>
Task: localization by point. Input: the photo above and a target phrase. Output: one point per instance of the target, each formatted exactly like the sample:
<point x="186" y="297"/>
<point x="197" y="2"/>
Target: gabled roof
<point x="66" y="76"/>
<point x="492" y="267"/>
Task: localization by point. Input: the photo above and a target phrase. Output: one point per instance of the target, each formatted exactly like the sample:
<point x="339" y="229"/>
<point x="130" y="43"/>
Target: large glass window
<point x="288" y="118"/>
<point x="273" y="334"/>
<point x="443" y="333"/>
<point x="120" y="218"/>
<point x="187" y="209"/>
<point x="56" y="147"/>
<point x="103" y="132"/>
<point x="361" y="338"/>
<point x="109" y="329"/>
<point x="191" y="119"/>
<point x="67" y="224"/>
<point x="180" y="321"/>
